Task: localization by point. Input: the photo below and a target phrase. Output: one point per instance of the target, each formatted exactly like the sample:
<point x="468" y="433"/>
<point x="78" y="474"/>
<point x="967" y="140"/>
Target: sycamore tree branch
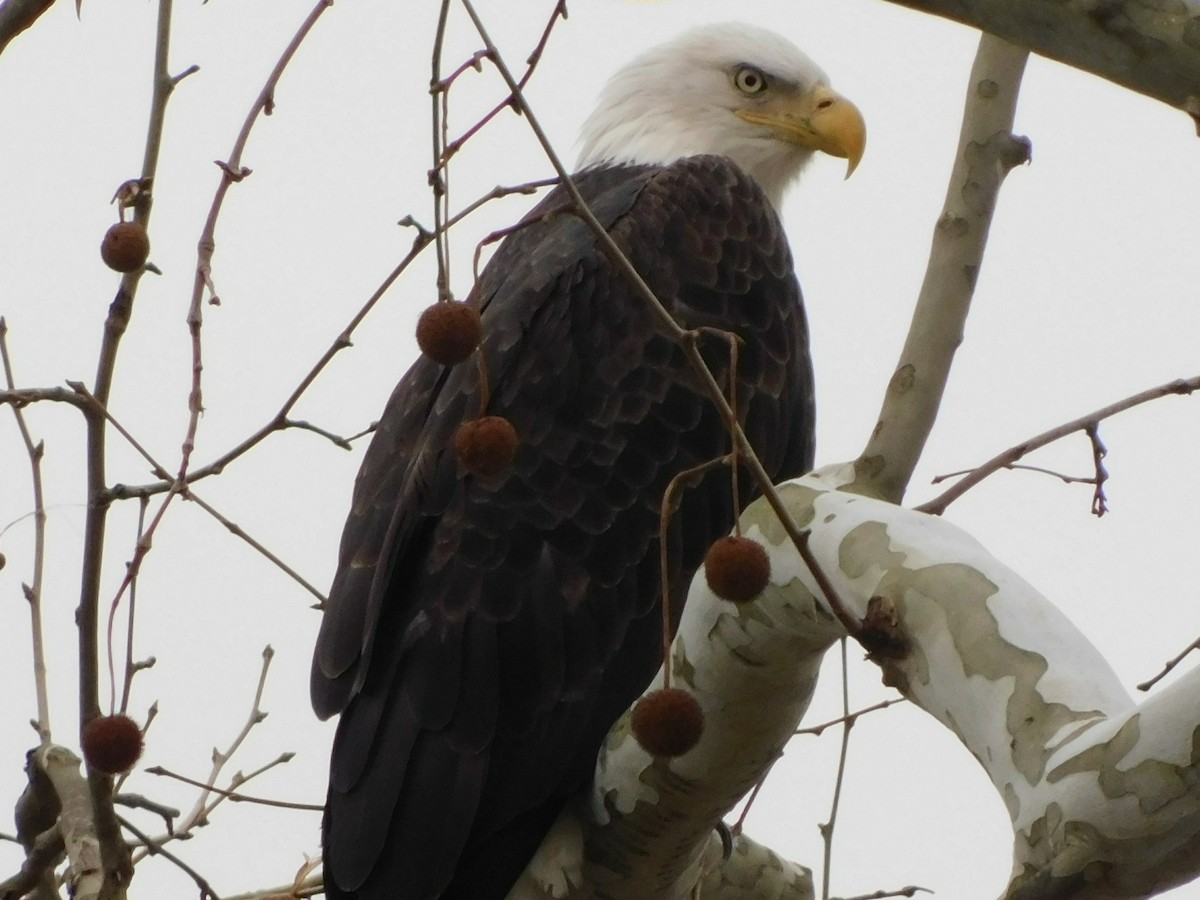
<point x="1101" y="792"/>
<point x="17" y="16"/>
<point x="1145" y="45"/>
<point x="85" y="876"/>
<point x="937" y="505"/>
<point x="116" y="865"/>
<point x="987" y="151"/>
<point x="929" y="590"/>
<point x="33" y="590"/>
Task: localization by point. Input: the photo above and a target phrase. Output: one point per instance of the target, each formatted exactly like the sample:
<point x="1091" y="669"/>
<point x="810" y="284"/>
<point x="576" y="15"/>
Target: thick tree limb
<point x="1148" y="46"/>
<point x="987" y="151"/>
<point x="1103" y="794"/>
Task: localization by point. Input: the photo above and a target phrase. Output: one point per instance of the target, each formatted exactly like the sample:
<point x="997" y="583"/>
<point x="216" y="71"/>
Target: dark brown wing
<point x="482" y="635"/>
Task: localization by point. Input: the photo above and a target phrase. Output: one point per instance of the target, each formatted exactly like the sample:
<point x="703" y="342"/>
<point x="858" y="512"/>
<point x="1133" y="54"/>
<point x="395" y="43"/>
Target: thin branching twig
<point x="155" y="848"/>
<point x="910" y="891"/>
<point x="131" y="668"/>
<point x="827" y="828"/>
<point x="117" y="868"/>
<point x="33" y="590"/>
<point x="1087" y="423"/>
<point x="200" y="811"/>
<point x="236" y="796"/>
<point x="1169" y="665"/>
<point x="851" y="717"/>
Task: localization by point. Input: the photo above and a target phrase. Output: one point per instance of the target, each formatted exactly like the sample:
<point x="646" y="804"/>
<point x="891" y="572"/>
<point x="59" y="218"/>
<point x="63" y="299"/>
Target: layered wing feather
<point x="483" y="634"/>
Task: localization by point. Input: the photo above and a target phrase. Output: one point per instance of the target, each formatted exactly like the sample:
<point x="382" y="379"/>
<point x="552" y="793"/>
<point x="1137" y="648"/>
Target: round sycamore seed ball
<point x="448" y="332"/>
<point x="125" y="247"/>
<point x="486" y="446"/>
<point x="668" y="722"/>
<point x="112" y="744"/>
<point x="737" y="568"/>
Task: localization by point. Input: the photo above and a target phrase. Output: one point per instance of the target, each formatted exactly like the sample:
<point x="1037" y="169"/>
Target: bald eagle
<point x="482" y="634"/>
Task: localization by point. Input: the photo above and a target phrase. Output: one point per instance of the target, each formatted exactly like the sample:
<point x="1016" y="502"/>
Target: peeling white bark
<point x="987" y="151"/>
<point x="1103" y="793"/>
<point x="85" y="869"/>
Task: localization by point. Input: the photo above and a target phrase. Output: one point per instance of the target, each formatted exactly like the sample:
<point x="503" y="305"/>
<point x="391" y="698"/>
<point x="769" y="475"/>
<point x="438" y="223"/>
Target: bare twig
<point x="910" y="891"/>
<point x="439" y="132"/>
<point x="450" y="148"/>
<point x="237" y="797"/>
<point x="200" y="810"/>
<point x="1169" y="665"/>
<point x="1020" y="467"/>
<point x="827" y="828"/>
<point x="156" y="849"/>
<point x="233" y="173"/>
<point x="837" y="606"/>
<point x="33" y="590"/>
<point x="280" y="420"/>
<point x="336" y="439"/>
<point x="138" y="801"/>
<point x="145" y="534"/>
<point x="851" y="717"/>
<point x="501" y="234"/>
<point x="21" y="397"/>
<point x="1099" y="451"/>
<point x="237" y="530"/>
<point x="306" y="885"/>
<point x="116" y="868"/>
<point x="1180" y="386"/>
<point x="130" y="667"/>
<point x="739" y="826"/>
<point x="41" y="857"/>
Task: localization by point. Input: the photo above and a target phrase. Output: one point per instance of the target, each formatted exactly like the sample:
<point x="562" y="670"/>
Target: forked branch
<point x="1087" y="423"/>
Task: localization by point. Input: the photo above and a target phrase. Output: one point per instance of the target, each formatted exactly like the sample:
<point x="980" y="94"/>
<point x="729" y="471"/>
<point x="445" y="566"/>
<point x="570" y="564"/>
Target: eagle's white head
<point x="733" y="90"/>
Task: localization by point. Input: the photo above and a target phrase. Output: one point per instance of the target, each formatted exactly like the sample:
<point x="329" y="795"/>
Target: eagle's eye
<point x="749" y="80"/>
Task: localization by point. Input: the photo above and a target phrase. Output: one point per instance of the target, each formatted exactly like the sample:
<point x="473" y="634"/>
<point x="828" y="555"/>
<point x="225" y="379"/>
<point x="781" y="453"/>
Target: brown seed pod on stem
<point x="112" y="744"/>
<point x="449" y="331"/>
<point x="486" y="446"/>
<point x="125" y="247"/>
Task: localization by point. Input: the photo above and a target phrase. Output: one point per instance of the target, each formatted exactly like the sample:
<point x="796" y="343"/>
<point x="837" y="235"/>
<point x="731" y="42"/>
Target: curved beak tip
<point x="848" y="132"/>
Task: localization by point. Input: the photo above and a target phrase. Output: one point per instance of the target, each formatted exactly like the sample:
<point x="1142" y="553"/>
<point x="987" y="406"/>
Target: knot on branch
<point x="881" y="633"/>
<point x="1013" y="150"/>
<point x="234" y="175"/>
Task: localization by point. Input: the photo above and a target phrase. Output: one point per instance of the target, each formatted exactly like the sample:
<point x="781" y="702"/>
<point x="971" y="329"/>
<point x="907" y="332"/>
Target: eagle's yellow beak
<point x="821" y="119"/>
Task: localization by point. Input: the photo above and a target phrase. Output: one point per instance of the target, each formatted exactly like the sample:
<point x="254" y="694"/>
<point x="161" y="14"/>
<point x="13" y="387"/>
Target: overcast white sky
<point x="1088" y="294"/>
